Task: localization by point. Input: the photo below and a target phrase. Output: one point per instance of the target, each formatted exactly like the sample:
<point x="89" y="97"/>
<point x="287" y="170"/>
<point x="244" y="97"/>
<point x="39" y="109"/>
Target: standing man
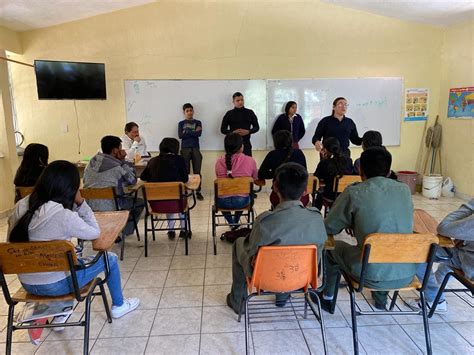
<point x="242" y="121"/>
<point x="133" y="143"/>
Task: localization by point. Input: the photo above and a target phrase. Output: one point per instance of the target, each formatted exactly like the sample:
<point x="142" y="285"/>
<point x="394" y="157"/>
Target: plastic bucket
<point x="448" y="189"/>
<point x="409" y="178"/>
<point x="432" y="186"/>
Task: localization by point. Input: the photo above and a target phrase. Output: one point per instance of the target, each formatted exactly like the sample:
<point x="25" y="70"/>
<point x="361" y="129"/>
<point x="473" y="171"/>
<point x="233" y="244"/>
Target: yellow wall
<point x="458" y="135"/>
<point x="9" y="40"/>
<point x="217" y="40"/>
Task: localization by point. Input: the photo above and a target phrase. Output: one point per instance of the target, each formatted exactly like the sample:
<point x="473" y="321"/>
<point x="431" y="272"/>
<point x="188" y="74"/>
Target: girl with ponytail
<point x="283" y="153"/>
<point x="234" y="164"/>
<point x="55" y="210"/>
<point x="332" y="164"/>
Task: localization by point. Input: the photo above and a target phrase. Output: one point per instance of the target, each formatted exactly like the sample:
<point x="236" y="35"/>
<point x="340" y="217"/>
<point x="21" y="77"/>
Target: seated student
<point x="332" y="164"/>
<point x="459" y="225"/>
<point x="109" y="169"/>
<point x="35" y="159"/>
<point x="56" y="211"/>
<point x="371" y="139"/>
<point x="167" y="167"/>
<point x="376" y="205"/>
<point x="133" y="144"/>
<point x="290" y="223"/>
<point x="234" y="164"/>
<point x="283" y="153"/>
<point x="189" y="131"/>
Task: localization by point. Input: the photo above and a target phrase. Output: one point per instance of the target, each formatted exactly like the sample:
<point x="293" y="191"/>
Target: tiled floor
<point x="183" y="308"/>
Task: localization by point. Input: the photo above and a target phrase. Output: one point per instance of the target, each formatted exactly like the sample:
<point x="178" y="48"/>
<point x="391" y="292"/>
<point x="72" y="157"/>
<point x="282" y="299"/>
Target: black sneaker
<point x="171" y="235"/>
<point x="326" y="305"/>
<point x="281" y="299"/>
<point x="182" y="235"/>
<point x="199" y="196"/>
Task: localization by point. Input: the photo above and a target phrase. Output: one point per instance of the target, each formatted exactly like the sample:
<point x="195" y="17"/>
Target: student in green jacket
<point x="376" y="205"/>
<point x="290" y="223"/>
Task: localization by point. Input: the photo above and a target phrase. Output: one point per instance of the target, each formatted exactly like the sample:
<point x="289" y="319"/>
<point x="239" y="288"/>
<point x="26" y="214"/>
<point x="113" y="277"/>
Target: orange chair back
<point x="399" y="248"/>
<point x="285" y="268"/>
<point x="23" y="191"/>
<point x="341" y="182"/>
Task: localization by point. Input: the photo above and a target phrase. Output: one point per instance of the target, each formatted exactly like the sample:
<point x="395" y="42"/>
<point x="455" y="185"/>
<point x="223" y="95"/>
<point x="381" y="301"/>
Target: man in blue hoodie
<point x="109" y="169"/>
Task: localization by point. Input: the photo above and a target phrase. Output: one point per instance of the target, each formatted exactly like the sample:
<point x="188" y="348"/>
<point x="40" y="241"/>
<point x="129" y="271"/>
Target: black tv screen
<point x="70" y="80"/>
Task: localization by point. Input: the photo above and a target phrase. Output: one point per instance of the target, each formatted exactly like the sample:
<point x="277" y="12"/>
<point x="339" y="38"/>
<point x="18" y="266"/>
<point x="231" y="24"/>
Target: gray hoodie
<point x="105" y="170"/>
<point x="54" y="222"/>
<point x="459" y="225"/>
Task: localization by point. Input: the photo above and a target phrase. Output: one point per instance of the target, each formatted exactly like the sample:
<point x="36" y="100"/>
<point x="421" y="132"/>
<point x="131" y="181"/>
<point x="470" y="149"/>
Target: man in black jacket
<point x="242" y="121"/>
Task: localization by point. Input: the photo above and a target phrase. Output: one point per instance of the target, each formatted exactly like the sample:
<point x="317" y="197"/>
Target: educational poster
<point x="461" y="103"/>
<point x="416" y="104"/>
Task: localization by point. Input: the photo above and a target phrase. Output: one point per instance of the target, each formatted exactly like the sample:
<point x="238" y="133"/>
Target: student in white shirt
<point x="132" y="142"/>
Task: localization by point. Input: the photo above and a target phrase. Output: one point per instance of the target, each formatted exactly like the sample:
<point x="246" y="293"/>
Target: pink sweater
<point x="242" y="165"/>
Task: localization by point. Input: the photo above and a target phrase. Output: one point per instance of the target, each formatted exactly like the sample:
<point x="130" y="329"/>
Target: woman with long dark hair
<point x="283" y="153"/>
<point x="234" y="164"/>
<point x="55" y="210"/>
<point x="332" y="164"/>
<point x="35" y="159"/>
<point x="339" y="126"/>
<point x="292" y="122"/>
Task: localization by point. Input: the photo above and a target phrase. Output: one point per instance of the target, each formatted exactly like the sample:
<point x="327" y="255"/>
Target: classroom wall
<point x="221" y="40"/>
<point x="9" y="41"/>
<point x="458" y="135"/>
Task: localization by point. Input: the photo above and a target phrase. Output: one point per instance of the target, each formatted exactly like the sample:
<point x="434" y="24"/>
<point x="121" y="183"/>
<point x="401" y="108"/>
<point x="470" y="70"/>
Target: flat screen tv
<point x="70" y="80"/>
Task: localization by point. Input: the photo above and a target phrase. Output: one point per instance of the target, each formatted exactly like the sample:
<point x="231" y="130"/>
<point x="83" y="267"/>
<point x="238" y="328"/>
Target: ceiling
<point x="431" y="12"/>
<point x="24" y="15"/>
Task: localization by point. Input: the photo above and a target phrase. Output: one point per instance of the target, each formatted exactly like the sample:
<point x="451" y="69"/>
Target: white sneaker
<point x="60" y="320"/>
<point x="129" y="304"/>
<point x="415" y="304"/>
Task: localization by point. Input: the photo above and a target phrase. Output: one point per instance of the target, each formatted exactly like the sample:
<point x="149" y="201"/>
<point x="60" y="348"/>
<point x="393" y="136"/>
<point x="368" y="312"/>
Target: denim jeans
<point x="435" y="279"/>
<point x="233" y="202"/>
<point x="65" y="286"/>
<point x="171" y="224"/>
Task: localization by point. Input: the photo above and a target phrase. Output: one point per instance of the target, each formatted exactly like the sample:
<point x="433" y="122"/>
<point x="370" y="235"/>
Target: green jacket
<point x="377" y="205"/>
<point x="290" y="223"/>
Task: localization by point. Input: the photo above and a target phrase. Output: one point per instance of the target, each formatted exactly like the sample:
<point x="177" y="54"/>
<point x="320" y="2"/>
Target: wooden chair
<point x="393" y="249"/>
<point x="230" y="187"/>
<point x="22" y="192"/>
<point x="458" y="274"/>
<point x="166" y="192"/>
<point x="109" y="193"/>
<point x="341" y="182"/>
<point x="36" y="257"/>
<point x="312" y="188"/>
<point x="283" y="269"/>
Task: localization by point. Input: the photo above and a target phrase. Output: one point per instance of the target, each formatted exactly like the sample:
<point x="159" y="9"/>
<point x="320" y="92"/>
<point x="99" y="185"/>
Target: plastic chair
<point x="341" y="182"/>
<point x="166" y="192"/>
<point x="35" y="257"/>
<point x="230" y="187"/>
<point x="283" y="269"/>
<point x="109" y="193"/>
<point x="393" y="249"/>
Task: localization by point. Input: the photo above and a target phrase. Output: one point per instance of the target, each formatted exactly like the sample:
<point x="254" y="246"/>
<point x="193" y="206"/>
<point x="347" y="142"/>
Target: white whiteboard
<point x="374" y="104"/>
<point x="156" y="106"/>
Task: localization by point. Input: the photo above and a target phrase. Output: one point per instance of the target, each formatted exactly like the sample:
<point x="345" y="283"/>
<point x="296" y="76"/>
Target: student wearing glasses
<point x="338" y="126"/>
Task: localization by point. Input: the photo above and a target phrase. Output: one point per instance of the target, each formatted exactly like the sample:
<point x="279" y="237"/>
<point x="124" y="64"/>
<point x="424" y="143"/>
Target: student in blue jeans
<point x="234" y="164"/>
<point x="459" y="225"/>
<point x="55" y="210"/>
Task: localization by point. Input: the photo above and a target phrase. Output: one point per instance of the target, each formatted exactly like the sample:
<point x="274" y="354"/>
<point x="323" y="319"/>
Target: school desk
<point x="423" y="222"/>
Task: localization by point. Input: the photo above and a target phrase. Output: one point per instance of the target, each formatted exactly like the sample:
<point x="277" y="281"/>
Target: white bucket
<point x="432" y="186"/>
<point x="448" y="188"/>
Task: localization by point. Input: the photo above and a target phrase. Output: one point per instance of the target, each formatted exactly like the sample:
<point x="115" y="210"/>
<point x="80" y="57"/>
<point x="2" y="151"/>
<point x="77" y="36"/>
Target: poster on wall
<point x="461" y="103"/>
<point x="416" y="104"/>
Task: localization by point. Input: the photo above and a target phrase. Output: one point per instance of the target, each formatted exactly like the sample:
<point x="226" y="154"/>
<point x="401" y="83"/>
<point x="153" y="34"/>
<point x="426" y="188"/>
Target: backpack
<point x="232" y="236"/>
